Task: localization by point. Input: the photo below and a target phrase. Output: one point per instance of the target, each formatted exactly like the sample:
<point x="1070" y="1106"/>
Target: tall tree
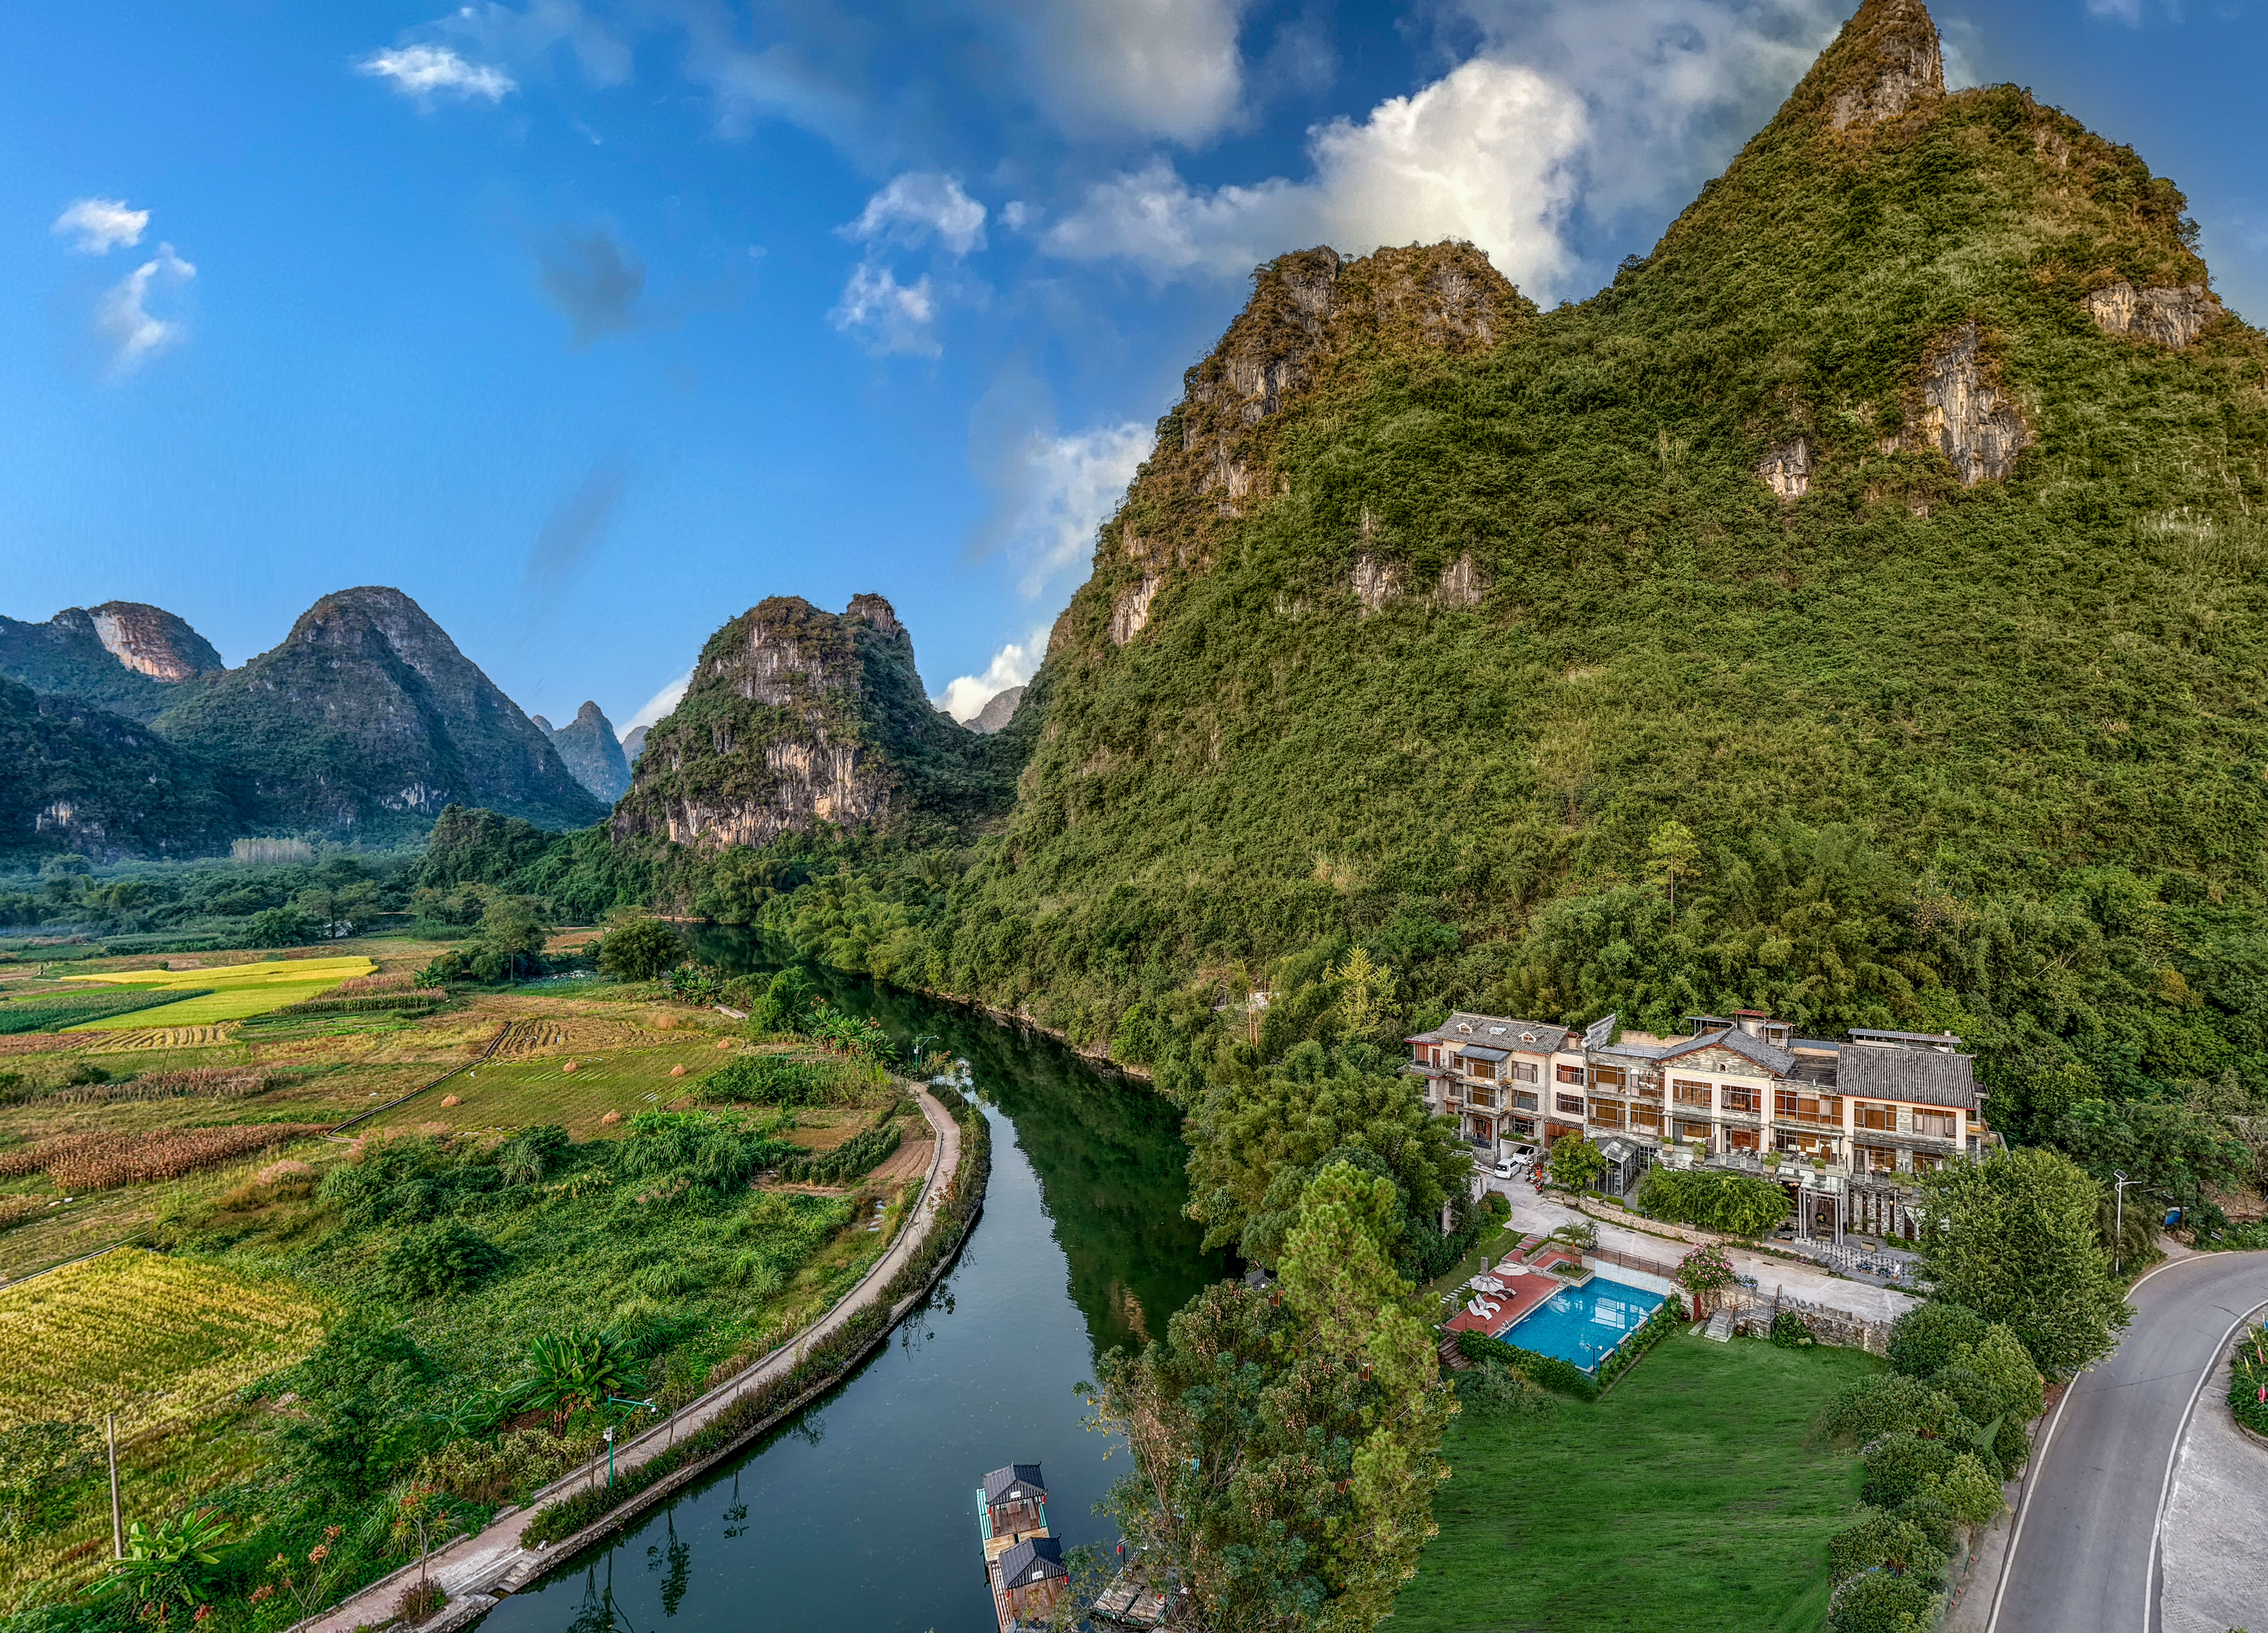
<point x="2013" y="1239"/>
<point x="1287" y="1443"/>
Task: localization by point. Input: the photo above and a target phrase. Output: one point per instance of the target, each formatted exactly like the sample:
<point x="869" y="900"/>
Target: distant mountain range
<point x="125" y="735"/>
<point x="592" y="754"/>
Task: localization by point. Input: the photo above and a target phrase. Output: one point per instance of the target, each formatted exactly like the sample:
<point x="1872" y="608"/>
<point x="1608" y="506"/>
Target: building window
<point x="1741" y="1139"/>
<point x="1418" y="1053"/>
<point x="1738" y="1097"/>
<point x="1524" y="1126"/>
<point x="1936" y="1125"/>
<point x="1607" y="1114"/>
<point x="1814" y="1108"/>
<point x="1525" y="1102"/>
<point x="1926" y="1163"/>
<point x="1688" y="1092"/>
<point x="1877" y="1159"/>
<point x="1570" y="1074"/>
<point x="1484" y="1070"/>
<point x="1647" y="1117"/>
<point x="1693" y="1131"/>
<point x="1483" y="1099"/>
<point x="1801" y="1143"/>
<point x="1570" y="1104"/>
<point x="1884" y="1118"/>
<point x="1526" y="1072"/>
<point x="1609" y="1077"/>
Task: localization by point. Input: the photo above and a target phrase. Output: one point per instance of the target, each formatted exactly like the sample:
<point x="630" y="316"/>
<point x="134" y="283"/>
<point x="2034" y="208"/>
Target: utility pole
<point x="2118" y="1230"/>
<point x="117" y="1525"/>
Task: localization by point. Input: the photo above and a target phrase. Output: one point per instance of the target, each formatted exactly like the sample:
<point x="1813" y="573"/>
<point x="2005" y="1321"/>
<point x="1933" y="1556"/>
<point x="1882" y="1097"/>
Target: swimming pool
<point x="1584" y="1324"/>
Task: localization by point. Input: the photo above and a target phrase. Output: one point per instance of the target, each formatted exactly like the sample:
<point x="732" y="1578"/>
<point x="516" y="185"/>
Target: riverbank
<point x="474" y="1571"/>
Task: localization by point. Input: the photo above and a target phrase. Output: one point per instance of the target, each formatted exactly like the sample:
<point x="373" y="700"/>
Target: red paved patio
<point x="1521" y="1293"/>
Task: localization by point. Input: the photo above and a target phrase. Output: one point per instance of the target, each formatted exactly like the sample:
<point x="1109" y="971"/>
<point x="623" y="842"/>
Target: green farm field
<point x="1691" y="1498"/>
<point x="230" y="991"/>
<point x="516" y="1093"/>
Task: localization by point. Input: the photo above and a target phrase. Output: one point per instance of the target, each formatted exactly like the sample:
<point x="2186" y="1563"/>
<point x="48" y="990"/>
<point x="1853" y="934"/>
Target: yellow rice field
<point x="231" y="991"/>
<point x="151" y="1337"/>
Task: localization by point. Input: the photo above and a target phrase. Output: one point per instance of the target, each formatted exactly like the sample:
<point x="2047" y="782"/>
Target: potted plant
<point x="1772" y="1161"/>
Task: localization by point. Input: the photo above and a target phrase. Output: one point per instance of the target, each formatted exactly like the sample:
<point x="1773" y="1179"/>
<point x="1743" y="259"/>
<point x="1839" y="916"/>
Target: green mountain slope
<point x="368" y="720"/>
<point x="79" y="779"/>
<point x="1892" y="527"/>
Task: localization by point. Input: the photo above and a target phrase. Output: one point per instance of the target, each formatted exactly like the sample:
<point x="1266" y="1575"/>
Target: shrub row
<point x="420" y="997"/>
<point x="855" y="1157"/>
<point x="821" y="1363"/>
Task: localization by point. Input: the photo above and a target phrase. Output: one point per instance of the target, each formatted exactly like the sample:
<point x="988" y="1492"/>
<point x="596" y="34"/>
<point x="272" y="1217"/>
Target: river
<point x="860" y="1513"/>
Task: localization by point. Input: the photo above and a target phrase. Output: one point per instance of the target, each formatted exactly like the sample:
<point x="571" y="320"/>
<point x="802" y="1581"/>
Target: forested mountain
<point x="798" y="719"/>
<point x="367" y="720"/>
<point x="1855" y="610"/>
<point x="122" y="657"/>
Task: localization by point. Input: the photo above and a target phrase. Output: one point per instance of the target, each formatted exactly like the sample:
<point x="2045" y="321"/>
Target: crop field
<point x="515" y="1093"/>
<point x="152" y="1338"/>
<point x="57" y="1009"/>
<point x="232" y="991"/>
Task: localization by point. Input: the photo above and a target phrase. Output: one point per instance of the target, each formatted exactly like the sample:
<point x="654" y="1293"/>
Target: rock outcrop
<point x="633" y="744"/>
<point x="998" y="710"/>
<point x="1786" y="467"/>
<point x="2171" y="317"/>
<point x="798" y="719"/>
<point x="150" y="641"/>
<point x="368" y="720"/>
<point x="1964" y="413"/>
<point x="1887" y="61"/>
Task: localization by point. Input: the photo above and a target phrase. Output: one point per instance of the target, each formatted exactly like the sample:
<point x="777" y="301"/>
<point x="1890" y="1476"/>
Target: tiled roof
<point x="1014" y="1483"/>
<point x="1033" y="1560"/>
<point x="1925" y="1076"/>
<point x="1772" y="1058"/>
<point x="1529" y="1037"/>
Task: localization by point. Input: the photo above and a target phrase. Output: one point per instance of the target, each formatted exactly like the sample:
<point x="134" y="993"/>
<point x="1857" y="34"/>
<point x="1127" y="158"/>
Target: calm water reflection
<point x="862" y="1514"/>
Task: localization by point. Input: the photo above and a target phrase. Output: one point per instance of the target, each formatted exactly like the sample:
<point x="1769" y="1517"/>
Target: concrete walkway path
<point x="493" y="1559"/>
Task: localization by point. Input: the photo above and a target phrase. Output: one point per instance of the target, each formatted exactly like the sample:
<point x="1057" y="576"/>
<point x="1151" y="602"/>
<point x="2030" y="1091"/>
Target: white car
<point x="1512" y="1167"/>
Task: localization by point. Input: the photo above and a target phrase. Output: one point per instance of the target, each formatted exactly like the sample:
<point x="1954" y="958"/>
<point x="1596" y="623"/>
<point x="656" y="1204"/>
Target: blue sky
<point x="590" y="325"/>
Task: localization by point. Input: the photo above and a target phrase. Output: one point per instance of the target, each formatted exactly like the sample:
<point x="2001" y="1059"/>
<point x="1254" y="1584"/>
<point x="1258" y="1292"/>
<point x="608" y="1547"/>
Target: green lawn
<point x="513" y="1093"/>
<point x="1689" y="1498"/>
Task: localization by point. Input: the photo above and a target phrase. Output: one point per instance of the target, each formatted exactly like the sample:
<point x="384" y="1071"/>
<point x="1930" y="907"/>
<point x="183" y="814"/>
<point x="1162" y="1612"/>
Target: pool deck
<point x="1522" y="1293"/>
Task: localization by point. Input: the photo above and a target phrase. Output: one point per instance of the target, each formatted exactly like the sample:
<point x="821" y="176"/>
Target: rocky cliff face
<point x="798" y="719"/>
<point x="999" y="708"/>
<point x="368" y="719"/>
<point x="592" y="754"/>
<point x="127" y="658"/>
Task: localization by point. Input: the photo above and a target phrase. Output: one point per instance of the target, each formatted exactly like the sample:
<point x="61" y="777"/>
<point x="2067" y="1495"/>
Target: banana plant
<point x="171" y="1562"/>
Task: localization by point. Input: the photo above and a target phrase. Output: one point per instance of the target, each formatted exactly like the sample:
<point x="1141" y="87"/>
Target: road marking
<point x="2040" y="1456"/>
<point x="2150" y="1622"/>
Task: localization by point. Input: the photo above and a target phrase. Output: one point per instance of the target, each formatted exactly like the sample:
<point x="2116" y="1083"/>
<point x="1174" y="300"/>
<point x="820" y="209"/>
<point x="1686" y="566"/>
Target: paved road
<point x="2087" y="1532"/>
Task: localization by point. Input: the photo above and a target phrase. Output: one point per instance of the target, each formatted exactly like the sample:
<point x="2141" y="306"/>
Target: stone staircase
<point x="1721" y="1326"/>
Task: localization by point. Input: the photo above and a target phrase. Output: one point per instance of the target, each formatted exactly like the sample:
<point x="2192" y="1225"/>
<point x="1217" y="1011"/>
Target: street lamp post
<point x="921" y="1038"/>
<point x="616" y="1400"/>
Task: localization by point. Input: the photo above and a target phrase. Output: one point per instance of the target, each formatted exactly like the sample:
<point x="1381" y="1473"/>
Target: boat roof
<point x="1014" y="1483"/>
<point x="1034" y="1559"/>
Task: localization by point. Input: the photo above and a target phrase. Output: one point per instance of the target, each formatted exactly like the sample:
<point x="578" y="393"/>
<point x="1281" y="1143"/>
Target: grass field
<point x="232" y="991"/>
<point x="514" y="1093"/>
<point x="1689" y="1499"/>
<point x="152" y="1338"/>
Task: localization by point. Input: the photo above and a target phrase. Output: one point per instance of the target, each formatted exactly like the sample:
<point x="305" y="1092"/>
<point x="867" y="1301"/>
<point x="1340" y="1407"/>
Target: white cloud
<point x="2126" y="11"/>
<point x="1482" y="154"/>
<point x="965" y="695"/>
<point x="919" y="206"/>
<point x="1155" y="68"/>
<point x="99" y="225"/>
<point x="1051" y="492"/>
<point x="124" y="317"/>
<point x="890" y="316"/>
<point x="425" y="71"/>
<point x="659" y="706"/>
